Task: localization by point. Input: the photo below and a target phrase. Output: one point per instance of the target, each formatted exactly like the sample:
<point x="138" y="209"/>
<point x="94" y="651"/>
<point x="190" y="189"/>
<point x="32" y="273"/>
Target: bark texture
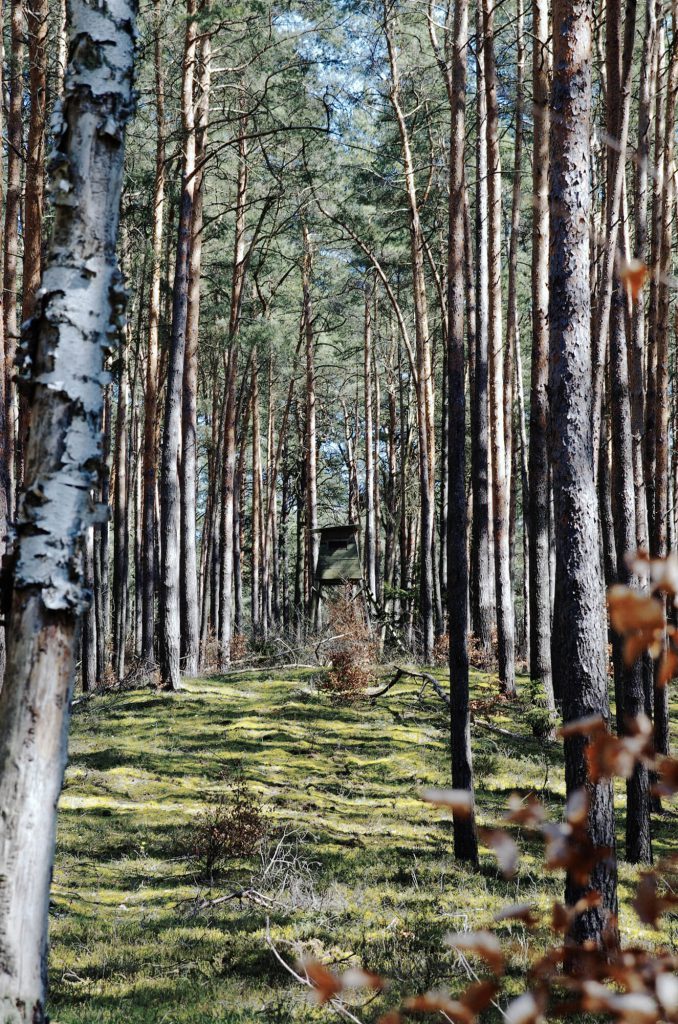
<point x="78" y="315"/>
<point x="579" y="655"/>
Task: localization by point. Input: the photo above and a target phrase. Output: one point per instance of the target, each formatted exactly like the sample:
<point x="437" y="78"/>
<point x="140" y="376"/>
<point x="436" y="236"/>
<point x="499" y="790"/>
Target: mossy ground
<point x="375" y="882"/>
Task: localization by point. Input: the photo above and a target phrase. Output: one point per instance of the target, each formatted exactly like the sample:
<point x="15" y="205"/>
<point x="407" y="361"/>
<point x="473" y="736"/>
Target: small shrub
<point x="478" y="657"/>
<point x="537" y="714"/>
<point x="352" y="652"/>
<point x="233" y="825"/>
<point x="441" y="650"/>
<point x="239" y="647"/>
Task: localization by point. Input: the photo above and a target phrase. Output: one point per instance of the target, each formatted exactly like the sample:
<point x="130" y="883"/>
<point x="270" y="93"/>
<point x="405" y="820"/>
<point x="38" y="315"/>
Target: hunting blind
<point x="338" y="556"/>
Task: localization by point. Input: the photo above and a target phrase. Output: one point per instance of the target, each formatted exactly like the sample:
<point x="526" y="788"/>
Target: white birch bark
<point x="79" y="310"/>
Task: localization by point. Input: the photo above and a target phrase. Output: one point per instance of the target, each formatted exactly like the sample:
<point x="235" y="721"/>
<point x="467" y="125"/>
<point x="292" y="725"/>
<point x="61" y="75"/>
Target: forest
<point x="338" y="511"/>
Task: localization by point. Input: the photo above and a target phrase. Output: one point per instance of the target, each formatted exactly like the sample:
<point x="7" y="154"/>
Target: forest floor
<point x="365" y="873"/>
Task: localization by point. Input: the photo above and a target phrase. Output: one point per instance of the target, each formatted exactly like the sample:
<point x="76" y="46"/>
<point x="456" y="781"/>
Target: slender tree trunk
<point x="170" y="504"/>
<point x="12" y="209"/>
<point x="189" y="617"/>
<point x="151" y="397"/>
<point x="370" y="547"/>
<point x="637" y="355"/>
<point x="89" y="633"/>
<point x="661" y="494"/>
<point x="539" y="563"/>
<point x="482" y="616"/>
<point x="120" y="515"/>
<point x="655" y="253"/>
<point x="5" y="476"/>
<point x="424" y="380"/>
<point x="579" y="627"/>
<point x="310" y="442"/>
<point x="37" y="13"/>
<point x="255" y="592"/>
<point x="500" y="494"/>
<point x="79" y="309"/>
<point x="230" y="400"/>
<point x="465" y="839"/>
<point x="102" y="591"/>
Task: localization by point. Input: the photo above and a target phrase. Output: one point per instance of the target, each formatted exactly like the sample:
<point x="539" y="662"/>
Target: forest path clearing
<point x="374" y="880"/>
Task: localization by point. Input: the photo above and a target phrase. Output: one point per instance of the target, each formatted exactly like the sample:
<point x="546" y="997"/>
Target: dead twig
<point x="337" y="1005"/>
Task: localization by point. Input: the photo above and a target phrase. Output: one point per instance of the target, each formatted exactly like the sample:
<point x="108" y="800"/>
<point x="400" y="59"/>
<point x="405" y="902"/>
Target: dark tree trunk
<point x="498" y="384"/>
<point x="482" y="616"/>
<point x="170" y="503"/>
<point x="539" y="562"/>
<point x="465" y="839"/>
<point x="579" y="626"/>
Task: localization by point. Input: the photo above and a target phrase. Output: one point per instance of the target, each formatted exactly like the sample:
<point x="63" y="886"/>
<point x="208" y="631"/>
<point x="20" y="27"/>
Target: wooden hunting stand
<point x="339" y="563"/>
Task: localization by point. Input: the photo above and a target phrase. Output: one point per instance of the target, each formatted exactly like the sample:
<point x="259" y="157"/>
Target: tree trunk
<point x="482" y="615"/>
<point x="661" y="474"/>
<point x="640" y="206"/>
<point x="540" y="589"/>
<point x="151" y="396"/>
<point x="230" y="399"/>
<point x="120" y="531"/>
<point x="500" y="496"/>
<point x="12" y="210"/>
<point x="310" y="443"/>
<point x="89" y="635"/>
<point x="255" y="591"/>
<point x="80" y="309"/>
<point x="370" y="548"/>
<point x="37" y="14"/>
<point x="190" y="626"/>
<point x="424" y="378"/>
<point x="170" y="504"/>
<point x="579" y="661"/>
<point x="465" y="839"/>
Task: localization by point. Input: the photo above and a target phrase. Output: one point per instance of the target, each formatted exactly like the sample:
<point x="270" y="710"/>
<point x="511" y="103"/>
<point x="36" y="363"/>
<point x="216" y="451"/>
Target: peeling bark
<point x="78" y="316"/>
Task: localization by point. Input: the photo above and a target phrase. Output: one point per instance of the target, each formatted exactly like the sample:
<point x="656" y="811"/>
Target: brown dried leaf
<point x="356" y="977"/>
<point x="577" y="809"/>
<point x="518" y="912"/>
<point x="505" y="848"/>
<point x="648" y="904"/>
<point x="633" y="273"/>
<point x="460" y="800"/>
<point x="527" y="811"/>
<point x="590" y="725"/>
<point x="668" y="667"/>
<point x="392" y="1017"/>
<point x="482" y="944"/>
<point x="662" y="572"/>
<point x="478" y="996"/>
<point x="561" y="917"/>
<point x="635" y="644"/>
<point x="326" y="984"/>
<point x="608" y="755"/>
<point x="526" y="1009"/>
<point x="438" y="1002"/>
<point x="667" y="769"/>
<point x="631" y="610"/>
<point x="573" y="850"/>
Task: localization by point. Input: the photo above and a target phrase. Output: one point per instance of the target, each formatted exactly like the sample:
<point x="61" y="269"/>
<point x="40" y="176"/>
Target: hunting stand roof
<point x="338" y="557"/>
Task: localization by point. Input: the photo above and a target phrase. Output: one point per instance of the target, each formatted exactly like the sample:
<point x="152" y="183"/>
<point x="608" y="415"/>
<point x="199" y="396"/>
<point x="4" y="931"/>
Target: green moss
<point x="379" y="884"/>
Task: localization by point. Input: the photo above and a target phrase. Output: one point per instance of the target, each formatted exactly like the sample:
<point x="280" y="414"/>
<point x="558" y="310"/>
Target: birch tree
<point x="78" y="314"/>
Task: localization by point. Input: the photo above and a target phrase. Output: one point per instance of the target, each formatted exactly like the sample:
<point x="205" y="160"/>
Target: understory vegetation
<point x="350" y="866"/>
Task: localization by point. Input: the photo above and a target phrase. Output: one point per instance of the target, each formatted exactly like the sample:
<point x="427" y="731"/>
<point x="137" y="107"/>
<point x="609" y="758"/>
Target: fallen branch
<point x="497" y="729"/>
<point x="336" y="1004"/>
<point x="403" y="673"/>
<point x="252" y="895"/>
